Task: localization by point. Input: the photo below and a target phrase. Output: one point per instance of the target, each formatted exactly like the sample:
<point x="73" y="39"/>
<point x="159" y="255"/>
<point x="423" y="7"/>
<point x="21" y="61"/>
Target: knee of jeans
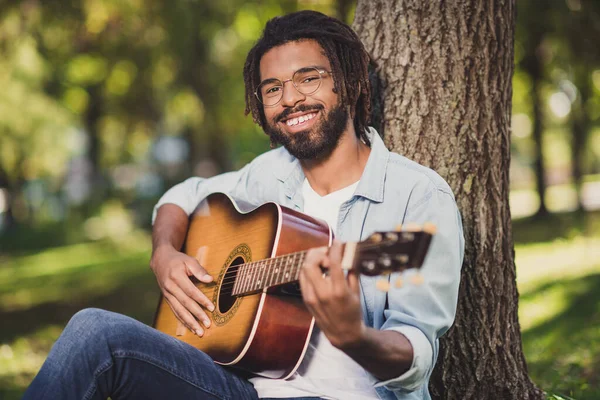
<point x="90" y="322"/>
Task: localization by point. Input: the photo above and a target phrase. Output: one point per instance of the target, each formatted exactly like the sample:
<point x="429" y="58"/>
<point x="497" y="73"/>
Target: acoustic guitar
<point x="260" y="323"/>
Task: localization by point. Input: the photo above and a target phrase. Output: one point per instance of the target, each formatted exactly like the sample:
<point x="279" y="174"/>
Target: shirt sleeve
<point x="423" y="313"/>
<point x="189" y="193"/>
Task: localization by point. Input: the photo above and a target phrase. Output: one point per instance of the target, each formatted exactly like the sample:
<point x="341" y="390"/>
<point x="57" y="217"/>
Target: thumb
<point x="194" y="268"/>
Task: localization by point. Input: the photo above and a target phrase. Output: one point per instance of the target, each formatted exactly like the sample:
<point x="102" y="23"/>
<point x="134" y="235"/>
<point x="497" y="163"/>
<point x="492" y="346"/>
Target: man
<point x="307" y="86"/>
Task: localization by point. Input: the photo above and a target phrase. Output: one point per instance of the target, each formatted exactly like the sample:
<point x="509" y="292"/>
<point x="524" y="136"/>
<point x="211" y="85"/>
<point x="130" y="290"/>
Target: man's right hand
<point x="173" y="270"/>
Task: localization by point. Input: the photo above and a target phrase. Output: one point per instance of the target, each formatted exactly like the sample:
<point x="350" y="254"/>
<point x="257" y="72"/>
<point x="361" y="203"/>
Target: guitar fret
<point x="263" y="274"/>
<point x="258" y="279"/>
<point x="242" y="277"/>
<point x="252" y="277"/>
<point x="235" y="282"/>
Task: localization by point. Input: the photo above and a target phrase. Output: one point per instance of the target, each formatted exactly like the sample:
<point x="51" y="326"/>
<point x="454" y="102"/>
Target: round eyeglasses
<point x="306" y="80"/>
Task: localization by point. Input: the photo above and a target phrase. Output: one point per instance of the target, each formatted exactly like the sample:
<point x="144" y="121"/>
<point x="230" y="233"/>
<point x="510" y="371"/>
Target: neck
<point x="258" y="275"/>
<point x="341" y="168"/>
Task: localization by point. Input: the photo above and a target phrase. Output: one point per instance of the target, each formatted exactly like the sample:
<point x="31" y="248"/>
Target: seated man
<point x="307" y="86"/>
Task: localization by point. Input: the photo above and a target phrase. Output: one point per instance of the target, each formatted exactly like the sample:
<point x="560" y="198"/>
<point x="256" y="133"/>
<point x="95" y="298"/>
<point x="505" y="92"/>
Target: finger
<point x="335" y="265"/>
<point x="175" y="307"/>
<point x="354" y="283"/>
<point x="196" y="294"/>
<point x="309" y="295"/>
<point x="189" y="304"/>
<point x="193" y="267"/>
<point x="184" y="315"/>
<point x="312" y="268"/>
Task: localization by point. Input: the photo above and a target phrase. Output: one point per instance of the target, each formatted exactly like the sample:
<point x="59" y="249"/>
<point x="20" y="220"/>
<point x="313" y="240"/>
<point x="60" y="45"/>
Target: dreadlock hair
<point x="346" y="53"/>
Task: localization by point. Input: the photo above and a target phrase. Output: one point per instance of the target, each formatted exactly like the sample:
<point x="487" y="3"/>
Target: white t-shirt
<point x="325" y="370"/>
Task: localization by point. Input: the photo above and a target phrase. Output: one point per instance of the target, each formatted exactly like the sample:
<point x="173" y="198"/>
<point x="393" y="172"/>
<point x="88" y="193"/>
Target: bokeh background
<point x="105" y="104"/>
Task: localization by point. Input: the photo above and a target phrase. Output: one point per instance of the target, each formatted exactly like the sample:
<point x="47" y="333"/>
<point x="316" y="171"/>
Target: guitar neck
<point x="259" y="275"/>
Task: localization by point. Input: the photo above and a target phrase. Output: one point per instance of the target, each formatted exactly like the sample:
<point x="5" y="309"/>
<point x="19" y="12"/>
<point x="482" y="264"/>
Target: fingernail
<point x="211" y="308"/>
<point x="206" y="323"/>
<point x="199" y="332"/>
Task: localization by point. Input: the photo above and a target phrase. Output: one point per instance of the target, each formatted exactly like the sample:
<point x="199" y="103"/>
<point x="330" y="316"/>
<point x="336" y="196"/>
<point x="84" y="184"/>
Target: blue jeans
<point x="102" y="354"/>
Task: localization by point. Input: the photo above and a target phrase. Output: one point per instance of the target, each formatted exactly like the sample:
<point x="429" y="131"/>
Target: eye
<point x="309" y="79"/>
<point x="272" y="90"/>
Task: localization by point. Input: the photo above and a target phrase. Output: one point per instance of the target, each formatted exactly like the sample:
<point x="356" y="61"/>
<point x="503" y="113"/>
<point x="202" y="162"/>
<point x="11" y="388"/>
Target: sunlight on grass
<point x="561" y="258"/>
<point x="558" y="276"/>
<point x="81" y="270"/>
<point x="559" y="313"/>
<point x="21" y="359"/>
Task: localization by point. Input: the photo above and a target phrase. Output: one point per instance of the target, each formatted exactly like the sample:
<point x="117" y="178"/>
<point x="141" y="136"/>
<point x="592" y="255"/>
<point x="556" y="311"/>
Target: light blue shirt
<point x="392" y="190"/>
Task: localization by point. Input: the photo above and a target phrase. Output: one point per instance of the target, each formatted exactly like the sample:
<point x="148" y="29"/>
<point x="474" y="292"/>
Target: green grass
<point x="558" y="274"/>
<point x="40" y="291"/>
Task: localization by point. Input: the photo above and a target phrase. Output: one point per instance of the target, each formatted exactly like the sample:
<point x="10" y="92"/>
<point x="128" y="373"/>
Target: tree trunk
<point x="533" y="64"/>
<point x="580" y="126"/>
<point x="445" y="73"/>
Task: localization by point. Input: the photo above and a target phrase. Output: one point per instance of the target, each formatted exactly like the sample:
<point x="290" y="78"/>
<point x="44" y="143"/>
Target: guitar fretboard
<point x="258" y="275"/>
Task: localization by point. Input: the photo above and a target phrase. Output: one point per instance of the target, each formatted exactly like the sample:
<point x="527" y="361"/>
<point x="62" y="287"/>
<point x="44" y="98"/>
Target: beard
<point x="315" y="143"/>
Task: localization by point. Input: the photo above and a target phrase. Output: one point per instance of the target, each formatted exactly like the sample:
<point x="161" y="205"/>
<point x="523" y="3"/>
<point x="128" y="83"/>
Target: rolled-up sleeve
<point x="423" y="313"/>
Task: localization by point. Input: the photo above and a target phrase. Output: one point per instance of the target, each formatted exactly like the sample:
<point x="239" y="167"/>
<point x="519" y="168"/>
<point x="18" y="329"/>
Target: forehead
<point x="282" y="61"/>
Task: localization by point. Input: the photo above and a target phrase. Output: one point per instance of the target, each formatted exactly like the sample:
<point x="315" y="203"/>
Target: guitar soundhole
<point x="226" y="300"/>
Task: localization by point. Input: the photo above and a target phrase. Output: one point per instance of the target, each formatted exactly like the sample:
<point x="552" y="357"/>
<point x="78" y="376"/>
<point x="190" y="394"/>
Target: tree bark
<point x="445" y="72"/>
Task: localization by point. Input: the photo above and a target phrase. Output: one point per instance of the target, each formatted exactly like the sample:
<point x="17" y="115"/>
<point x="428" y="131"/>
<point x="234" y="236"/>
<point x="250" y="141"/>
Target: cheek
<point x="270" y="114"/>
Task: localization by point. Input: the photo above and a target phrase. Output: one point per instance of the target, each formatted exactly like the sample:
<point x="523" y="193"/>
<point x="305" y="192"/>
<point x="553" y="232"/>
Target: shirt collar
<point x="372" y="181"/>
<point x="371" y="185"/>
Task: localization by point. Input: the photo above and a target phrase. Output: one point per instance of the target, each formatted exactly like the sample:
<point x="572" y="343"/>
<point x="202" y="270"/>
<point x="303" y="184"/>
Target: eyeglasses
<point x="306" y="80"/>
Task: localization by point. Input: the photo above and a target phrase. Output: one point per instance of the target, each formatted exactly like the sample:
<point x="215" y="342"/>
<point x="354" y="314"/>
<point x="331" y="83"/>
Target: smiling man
<point x="307" y="86"/>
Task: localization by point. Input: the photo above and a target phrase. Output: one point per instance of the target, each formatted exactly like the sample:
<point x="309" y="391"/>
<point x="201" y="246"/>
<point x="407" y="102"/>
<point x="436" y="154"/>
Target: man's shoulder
<point x="406" y="172"/>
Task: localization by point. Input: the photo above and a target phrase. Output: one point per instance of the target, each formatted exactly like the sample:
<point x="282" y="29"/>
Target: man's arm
<point x="401" y="353"/>
<point x="385" y="354"/>
<point x="173" y="269"/>
<point x="335" y="303"/>
<point x="170" y="224"/>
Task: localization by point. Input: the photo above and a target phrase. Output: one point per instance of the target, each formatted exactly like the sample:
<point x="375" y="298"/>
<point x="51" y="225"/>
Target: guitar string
<point x="231" y="276"/>
<point x="252" y="267"/>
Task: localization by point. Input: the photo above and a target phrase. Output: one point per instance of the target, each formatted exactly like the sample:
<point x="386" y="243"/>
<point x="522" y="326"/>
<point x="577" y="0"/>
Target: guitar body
<point x="264" y="333"/>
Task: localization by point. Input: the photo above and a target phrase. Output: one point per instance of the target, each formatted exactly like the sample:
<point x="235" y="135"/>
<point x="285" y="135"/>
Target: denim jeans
<point x="102" y="354"/>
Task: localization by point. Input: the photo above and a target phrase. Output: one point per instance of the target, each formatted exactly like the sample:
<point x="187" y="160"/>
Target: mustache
<point x="301" y="108"/>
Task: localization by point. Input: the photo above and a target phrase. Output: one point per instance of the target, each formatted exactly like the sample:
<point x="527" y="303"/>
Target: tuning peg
<point x="383" y="285"/>
<point x="377" y="237"/>
<point x="429" y="227"/>
<point x="399" y="282"/>
<point x="393" y="236"/>
<point x="417" y="279"/>
<point x="412" y="227"/>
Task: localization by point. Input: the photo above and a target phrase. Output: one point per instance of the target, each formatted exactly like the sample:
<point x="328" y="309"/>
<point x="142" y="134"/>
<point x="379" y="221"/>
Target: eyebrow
<point x="303" y="69"/>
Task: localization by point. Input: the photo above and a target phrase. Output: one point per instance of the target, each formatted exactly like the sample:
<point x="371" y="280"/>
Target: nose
<point x="291" y="96"/>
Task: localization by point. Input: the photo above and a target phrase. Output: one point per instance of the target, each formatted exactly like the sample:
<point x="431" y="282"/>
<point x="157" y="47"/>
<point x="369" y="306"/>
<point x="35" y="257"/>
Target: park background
<point x="105" y="104"/>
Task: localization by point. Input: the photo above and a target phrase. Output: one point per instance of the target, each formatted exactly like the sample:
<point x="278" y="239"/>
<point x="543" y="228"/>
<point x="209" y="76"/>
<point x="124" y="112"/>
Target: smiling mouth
<point x="300" y="120"/>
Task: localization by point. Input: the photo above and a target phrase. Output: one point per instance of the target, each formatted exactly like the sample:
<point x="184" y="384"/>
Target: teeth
<point x="300" y="119"/>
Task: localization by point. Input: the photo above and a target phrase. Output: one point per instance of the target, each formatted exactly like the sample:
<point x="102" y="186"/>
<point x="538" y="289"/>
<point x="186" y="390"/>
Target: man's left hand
<point x="332" y="298"/>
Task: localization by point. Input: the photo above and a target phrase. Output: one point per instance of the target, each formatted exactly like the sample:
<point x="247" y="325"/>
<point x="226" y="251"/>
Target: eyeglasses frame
<point x="319" y="70"/>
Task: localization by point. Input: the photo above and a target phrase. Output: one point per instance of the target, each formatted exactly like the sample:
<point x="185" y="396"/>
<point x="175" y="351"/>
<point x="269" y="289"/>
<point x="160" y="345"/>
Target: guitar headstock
<point x="395" y="251"/>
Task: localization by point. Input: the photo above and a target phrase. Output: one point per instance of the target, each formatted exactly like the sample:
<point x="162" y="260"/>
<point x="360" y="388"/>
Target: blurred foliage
<point x="121" y="99"/>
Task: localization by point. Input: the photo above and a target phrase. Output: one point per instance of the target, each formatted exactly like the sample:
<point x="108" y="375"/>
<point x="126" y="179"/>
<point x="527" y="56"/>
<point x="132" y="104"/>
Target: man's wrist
<point x="356" y="341"/>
